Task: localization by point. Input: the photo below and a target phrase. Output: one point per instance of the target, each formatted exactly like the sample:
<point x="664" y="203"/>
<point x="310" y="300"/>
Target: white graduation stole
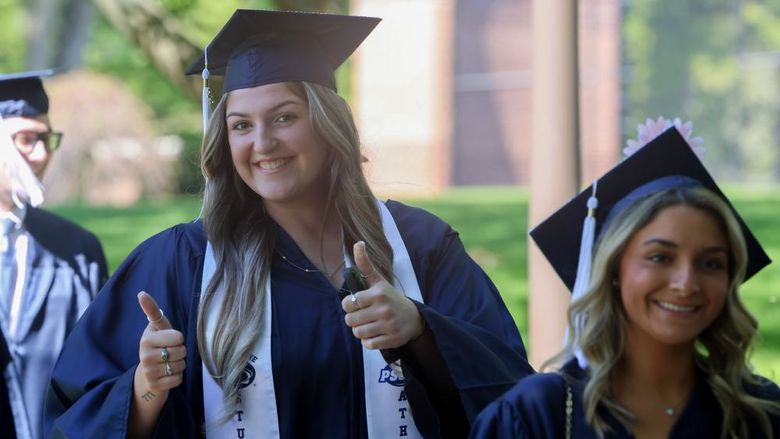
<point x="388" y="413"/>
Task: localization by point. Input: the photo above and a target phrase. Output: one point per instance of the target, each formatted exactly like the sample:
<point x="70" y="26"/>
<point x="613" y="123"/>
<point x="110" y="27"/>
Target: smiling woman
<point x="674" y="277"/>
<point x="658" y="335"/>
<point x="261" y="334"/>
<point x="274" y="147"/>
<point x="675" y="259"/>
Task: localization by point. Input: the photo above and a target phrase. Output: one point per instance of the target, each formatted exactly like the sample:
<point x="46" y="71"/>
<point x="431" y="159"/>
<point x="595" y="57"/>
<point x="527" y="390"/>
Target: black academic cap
<point x="263" y="47"/>
<point x="22" y="94"/>
<point x="667" y="155"/>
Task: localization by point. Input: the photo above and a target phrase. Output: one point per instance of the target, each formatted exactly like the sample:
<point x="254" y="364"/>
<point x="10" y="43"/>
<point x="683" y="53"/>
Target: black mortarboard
<point x="668" y="155"/>
<point x="263" y="47"/>
<point x="22" y="94"/>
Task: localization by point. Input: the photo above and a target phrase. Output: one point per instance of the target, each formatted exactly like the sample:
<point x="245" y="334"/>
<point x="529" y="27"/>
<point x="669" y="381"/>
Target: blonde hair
<point x="722" y="348"/>
<point x="241" y="232"/>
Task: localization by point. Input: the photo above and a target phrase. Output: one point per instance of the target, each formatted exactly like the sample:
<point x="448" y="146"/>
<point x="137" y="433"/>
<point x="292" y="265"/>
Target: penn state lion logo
<point x="389" y="376"/>
<point x="247" y="376"/>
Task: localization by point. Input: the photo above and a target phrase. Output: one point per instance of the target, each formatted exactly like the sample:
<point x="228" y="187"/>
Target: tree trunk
<point x="41" y="32"/>
<point x="75" y="32"/>
<point x="157" y="33"/>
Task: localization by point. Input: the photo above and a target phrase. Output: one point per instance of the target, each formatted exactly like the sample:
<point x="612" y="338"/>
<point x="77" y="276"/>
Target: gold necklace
<point x="311" y="270"/>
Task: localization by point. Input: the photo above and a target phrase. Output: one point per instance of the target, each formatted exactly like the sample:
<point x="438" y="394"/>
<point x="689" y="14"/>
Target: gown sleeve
<point x="534" y="408"/>
<point x="767" y="389"/>
<point x="91" y="386"/>
<point x="475" y="334"/>
<point x="498" y="420"/>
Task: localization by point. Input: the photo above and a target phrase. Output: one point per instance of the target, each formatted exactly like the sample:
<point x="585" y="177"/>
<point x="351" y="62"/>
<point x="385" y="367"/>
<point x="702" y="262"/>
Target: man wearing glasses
<point x="50" y="268"/>
<point x="24" y="106"/>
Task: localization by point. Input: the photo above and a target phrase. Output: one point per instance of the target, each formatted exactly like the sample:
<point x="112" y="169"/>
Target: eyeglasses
<point x="28" y="139"/>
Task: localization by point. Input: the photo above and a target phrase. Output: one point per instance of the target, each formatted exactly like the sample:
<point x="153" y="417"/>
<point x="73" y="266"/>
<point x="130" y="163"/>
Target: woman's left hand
<point x="381" y="316"/>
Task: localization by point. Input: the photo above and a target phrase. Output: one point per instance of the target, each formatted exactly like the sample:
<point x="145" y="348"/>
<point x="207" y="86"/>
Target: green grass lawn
<point x="493" y="223"/>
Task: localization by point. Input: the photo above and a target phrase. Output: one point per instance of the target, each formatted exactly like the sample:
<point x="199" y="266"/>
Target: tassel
<point x="25" y="186"/>
<point x="205" y="104"/>
<point x="583" y="272"/>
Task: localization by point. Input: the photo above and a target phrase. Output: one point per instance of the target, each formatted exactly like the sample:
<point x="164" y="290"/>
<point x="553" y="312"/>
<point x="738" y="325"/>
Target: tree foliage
<point x="713" y="62"/>
<point x="12" y="46"/>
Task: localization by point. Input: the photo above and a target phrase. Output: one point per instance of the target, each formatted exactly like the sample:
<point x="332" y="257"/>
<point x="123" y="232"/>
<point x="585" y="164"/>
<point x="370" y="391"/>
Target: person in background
<point x="658" y="336"/>
<point x="50" y="268"/>
<point x="24" y="105"/>
<point x="263" y="332"/>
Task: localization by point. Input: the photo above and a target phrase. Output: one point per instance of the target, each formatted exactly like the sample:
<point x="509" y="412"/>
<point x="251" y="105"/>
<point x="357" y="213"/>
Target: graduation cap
<point x="22" y="94"/>
<point x="258" y="47"/>
<point x="667" y="161"/>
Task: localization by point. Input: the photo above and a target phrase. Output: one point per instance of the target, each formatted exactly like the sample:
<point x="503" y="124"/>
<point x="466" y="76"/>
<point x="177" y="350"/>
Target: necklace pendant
<point x="670" y="411"/>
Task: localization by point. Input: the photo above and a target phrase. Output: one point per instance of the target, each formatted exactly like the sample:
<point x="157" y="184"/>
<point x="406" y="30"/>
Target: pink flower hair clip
<point x="653" y="128"/>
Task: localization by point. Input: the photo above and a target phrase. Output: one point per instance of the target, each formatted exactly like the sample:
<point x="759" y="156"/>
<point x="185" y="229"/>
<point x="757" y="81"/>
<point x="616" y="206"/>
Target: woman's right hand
<point x="158" y="338"/>
<point x="161" y="364"/>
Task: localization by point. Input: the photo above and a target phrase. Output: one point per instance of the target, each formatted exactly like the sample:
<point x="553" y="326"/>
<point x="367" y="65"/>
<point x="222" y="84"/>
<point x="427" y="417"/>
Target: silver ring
<point x="168" y="369"/>
<point x="165" y="355"/>
<point x="354" y="300"/>
<point x="157" y="320"/>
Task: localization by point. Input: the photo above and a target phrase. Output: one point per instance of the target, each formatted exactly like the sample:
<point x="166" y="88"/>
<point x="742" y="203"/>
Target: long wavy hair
<point x="242" y="233"/>
<point x="722" y="348"/>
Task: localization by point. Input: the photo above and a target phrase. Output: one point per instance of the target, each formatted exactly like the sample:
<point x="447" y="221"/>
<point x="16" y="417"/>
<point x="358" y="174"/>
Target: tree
<point x="158" y="33"/>
<point x="713" y="62"/>
<point x="56" y="32"/>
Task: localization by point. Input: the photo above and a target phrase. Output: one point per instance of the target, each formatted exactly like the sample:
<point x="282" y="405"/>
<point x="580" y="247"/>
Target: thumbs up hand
<point x="161" y="352"/>
<point x="380" y="316"/>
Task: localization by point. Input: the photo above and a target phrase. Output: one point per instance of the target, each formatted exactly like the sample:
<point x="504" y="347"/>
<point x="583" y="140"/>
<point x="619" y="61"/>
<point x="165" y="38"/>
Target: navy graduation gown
<point x="7" y="427"/>
<point x="317" y="362"/>
<point x="65" y="268"/>
<point x="534" y="408"/>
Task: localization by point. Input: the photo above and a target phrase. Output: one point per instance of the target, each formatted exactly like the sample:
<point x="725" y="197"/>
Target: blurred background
<point x="442" y="95"/>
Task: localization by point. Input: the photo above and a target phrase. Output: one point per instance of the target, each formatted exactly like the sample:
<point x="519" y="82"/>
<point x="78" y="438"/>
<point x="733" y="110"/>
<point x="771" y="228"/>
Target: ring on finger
<point x="168" y="369"/>
<point x="157" y="320"/>
<point x="354" y="300"/>
<point x="165" y="354"/>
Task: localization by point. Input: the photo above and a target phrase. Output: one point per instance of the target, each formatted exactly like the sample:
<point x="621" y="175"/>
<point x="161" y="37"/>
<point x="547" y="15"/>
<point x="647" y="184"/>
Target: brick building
<point x="442" y="92"/>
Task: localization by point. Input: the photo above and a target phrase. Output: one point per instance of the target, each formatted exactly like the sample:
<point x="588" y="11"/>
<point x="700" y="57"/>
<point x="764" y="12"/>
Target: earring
<point x="615" y="285"/>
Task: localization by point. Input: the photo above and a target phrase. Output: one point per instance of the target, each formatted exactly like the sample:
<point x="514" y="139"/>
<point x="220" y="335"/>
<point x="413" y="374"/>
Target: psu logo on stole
<point x="247" y="376"/>
<point x="388" y="375"/>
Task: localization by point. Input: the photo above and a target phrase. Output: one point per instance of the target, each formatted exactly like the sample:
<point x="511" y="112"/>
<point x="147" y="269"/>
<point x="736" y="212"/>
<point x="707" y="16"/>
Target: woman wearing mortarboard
<point x="257" y="338"/>
<point x="659" y="337"/>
